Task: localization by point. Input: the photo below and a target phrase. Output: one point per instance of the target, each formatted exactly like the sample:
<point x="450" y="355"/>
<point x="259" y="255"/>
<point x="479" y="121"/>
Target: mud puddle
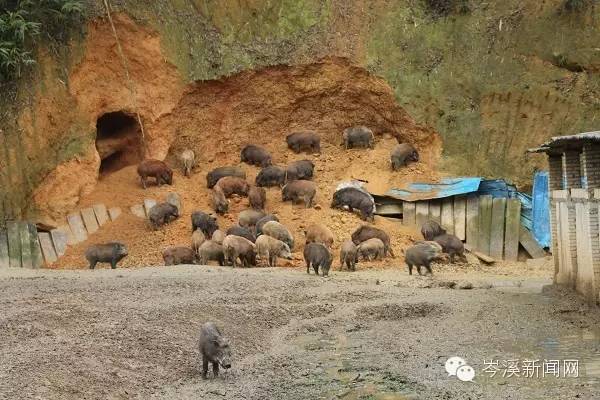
<point x="342" y="372"/>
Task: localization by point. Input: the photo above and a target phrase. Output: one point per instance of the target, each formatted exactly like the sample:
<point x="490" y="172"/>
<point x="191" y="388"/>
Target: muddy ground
<point x="366" y="335"/>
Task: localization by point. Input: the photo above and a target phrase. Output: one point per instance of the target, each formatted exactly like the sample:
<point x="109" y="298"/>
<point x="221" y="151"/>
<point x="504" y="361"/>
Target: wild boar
<point x="262" y="221"/>
<point x="197" y="239"/>
<point x="299" y="191"/>
<point x="317" y="255"/>
<point x="298" y="170"/>
<point x="270" y="176"/>
<point x="308" y="142"/>
<point x="255" y="155"/>
<point x="366" y="232"/>
<point x="451" y="245"/>
<point x="188" y="160"/>
<point x="111" y="252"/>
<point x="257" y="197"/>
<point x="402" y="154"/>
<point x="318" y="233"/>
<point x="237" y="247"/>
<point x="219" y="202"/>
<point x="353" y="198"/>
<point x="161" y="214"/>
<point x="218" y="236"/>
<point x="348" y="255"/>
<point x="179" y="255"/>
<point x="358" y="136"/>
<point x="269" y="248"/>
<point x="213" y="176"/>
<point x="211" y="251"/>
<point x="205" y="222"/>
<point x="431" y="229"/>
<point x="231" y="185"/>
<point x="155" y="169"/>
<point x="214" y="349"/>
<point x="372" y="249"/>
<point x="280" y="232"/>
<point x="421" y="255"/>
<point x="241" y="231"/>
<point x="249" y="218"/>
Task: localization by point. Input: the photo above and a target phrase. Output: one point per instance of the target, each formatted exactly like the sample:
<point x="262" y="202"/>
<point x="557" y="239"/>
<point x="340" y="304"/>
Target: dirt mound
<point x="394" y="312"/>
<point x="217" y="118"/>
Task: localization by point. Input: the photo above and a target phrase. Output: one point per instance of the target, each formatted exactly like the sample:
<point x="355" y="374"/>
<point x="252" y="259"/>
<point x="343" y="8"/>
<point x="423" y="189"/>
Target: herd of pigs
<point x="259" y="235"/>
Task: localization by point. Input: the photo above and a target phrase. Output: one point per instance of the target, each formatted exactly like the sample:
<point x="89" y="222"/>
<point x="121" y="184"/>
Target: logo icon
<point x="457" y="366"/>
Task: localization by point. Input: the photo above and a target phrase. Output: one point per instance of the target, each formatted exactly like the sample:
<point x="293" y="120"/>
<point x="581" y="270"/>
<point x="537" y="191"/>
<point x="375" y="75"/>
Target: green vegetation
<point x="22" y="22"/>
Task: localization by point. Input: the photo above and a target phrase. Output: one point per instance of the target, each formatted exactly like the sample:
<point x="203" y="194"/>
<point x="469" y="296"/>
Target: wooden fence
<point x="489" y="225"/>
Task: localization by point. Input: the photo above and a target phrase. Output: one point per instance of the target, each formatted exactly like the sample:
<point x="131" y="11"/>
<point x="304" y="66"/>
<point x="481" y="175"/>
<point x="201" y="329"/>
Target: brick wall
<point x="572" y="169"/>
<point x="590" y="159"/>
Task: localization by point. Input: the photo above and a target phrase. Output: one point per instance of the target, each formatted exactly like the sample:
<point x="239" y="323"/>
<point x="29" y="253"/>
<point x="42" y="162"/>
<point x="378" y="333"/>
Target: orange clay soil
<point x="123" y="189"/>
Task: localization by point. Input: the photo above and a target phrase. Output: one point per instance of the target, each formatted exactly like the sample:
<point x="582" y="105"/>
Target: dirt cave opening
<point x="118" y="141"/>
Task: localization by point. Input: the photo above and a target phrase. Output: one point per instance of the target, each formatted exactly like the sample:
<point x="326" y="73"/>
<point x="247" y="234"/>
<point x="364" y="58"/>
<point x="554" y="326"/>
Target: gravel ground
<point x="367" y="335"/>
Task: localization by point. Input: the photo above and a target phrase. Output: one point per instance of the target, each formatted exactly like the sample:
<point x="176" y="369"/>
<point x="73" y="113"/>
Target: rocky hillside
<point x="493" y="78"/>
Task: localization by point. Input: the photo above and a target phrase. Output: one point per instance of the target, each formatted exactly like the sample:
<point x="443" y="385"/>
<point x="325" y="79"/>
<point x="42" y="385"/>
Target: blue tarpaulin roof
<point x="427" y="191"/>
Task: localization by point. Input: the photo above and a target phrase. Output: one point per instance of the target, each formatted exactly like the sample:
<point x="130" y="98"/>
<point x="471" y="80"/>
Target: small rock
<point x="377" y="282"/>
<point x="465" y="285"/>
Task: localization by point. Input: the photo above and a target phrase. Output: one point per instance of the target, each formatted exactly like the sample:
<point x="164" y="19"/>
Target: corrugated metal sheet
<point x="427" y="191"/>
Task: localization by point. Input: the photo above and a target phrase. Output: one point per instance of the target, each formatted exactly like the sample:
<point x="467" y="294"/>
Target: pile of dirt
<point x="123" y="189"/>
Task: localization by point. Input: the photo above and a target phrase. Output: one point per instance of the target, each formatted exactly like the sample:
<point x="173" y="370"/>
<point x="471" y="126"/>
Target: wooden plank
<point x="59" y="239"/>
<point x="66" y="229"/>
<point x="422" y="213"/>
<point x="114" y="213"/>
<point x="4" y="259"/>
<point x="435" y="211"/>
<point x="14" y="244"/>
<point x="481" y="256"/>
<point x="37" y="261"/>
<point x="101" y="213"/>
<point x="529" y="243"/>
<point x="564" y="274"/>
<point x="460" y="217"/>
<point x="148" y="204"/>
<point x="485" y="224"/>
<point x="448" y="215"/>
<point x="77" y="228"/>
<point x="409" y="214"/>
<point x="386" y="209"/>
<point x="26" y="259"/>
<point x="511" y="230"/>
<point x="497" y="230"/>
<point x="472" y="220"/>
<point x="47" y="247"/>
<point x="89" y="219"/>
<point x="138" y="210"/>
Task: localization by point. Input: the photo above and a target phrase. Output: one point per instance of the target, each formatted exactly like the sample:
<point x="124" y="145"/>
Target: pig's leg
<point x="204" y="367"/>
<point x="215" y="369"/>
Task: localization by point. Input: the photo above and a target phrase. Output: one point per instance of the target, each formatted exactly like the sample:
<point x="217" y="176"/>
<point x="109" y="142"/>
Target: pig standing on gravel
<point x="259" y="225"/>
<point x="431" y="229"/>
<point x="280" y="232"/>
<point x="257" y="197"/>
<point x="237" y="247"/>
<point x="302" y="169"/>
<point x="213" y="176"/>
<point x="249" y="218"/>
<point x="255" y="155"/>
<point x="111" y="253"/>
<point x="421" y="255"/>
<point x="219" y="201"/>
<point x="451" y="245"/>
<point x="402" y="155"/>
<point x="299" y="191"/>
<point x="366" y="232"/>
<point x="270" y="176"/>
<point x="161" y="214"/>
<point x="155" y="169"/>
<point x="188" y="159"/>
<point x="317" y="255"/>
<point x="269" y="249"/>
<point x="214" y="348"/>
<point x="317" y="233"/>
<point x="231" y="185"/>
<point x="179" y="255"/>
<point x="309" y="142"/>
<point x="354" y="199"/>
<point x="349" y="255"/>
<point x="210" y="250"/>
<point x="206" y="223"/>
<point x="372" y="249"/>
<point x="358" y="136"/>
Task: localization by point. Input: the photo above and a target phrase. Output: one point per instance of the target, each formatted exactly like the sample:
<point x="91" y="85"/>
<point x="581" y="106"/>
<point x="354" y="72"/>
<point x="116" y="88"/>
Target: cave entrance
<point x="118" y="141"/>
